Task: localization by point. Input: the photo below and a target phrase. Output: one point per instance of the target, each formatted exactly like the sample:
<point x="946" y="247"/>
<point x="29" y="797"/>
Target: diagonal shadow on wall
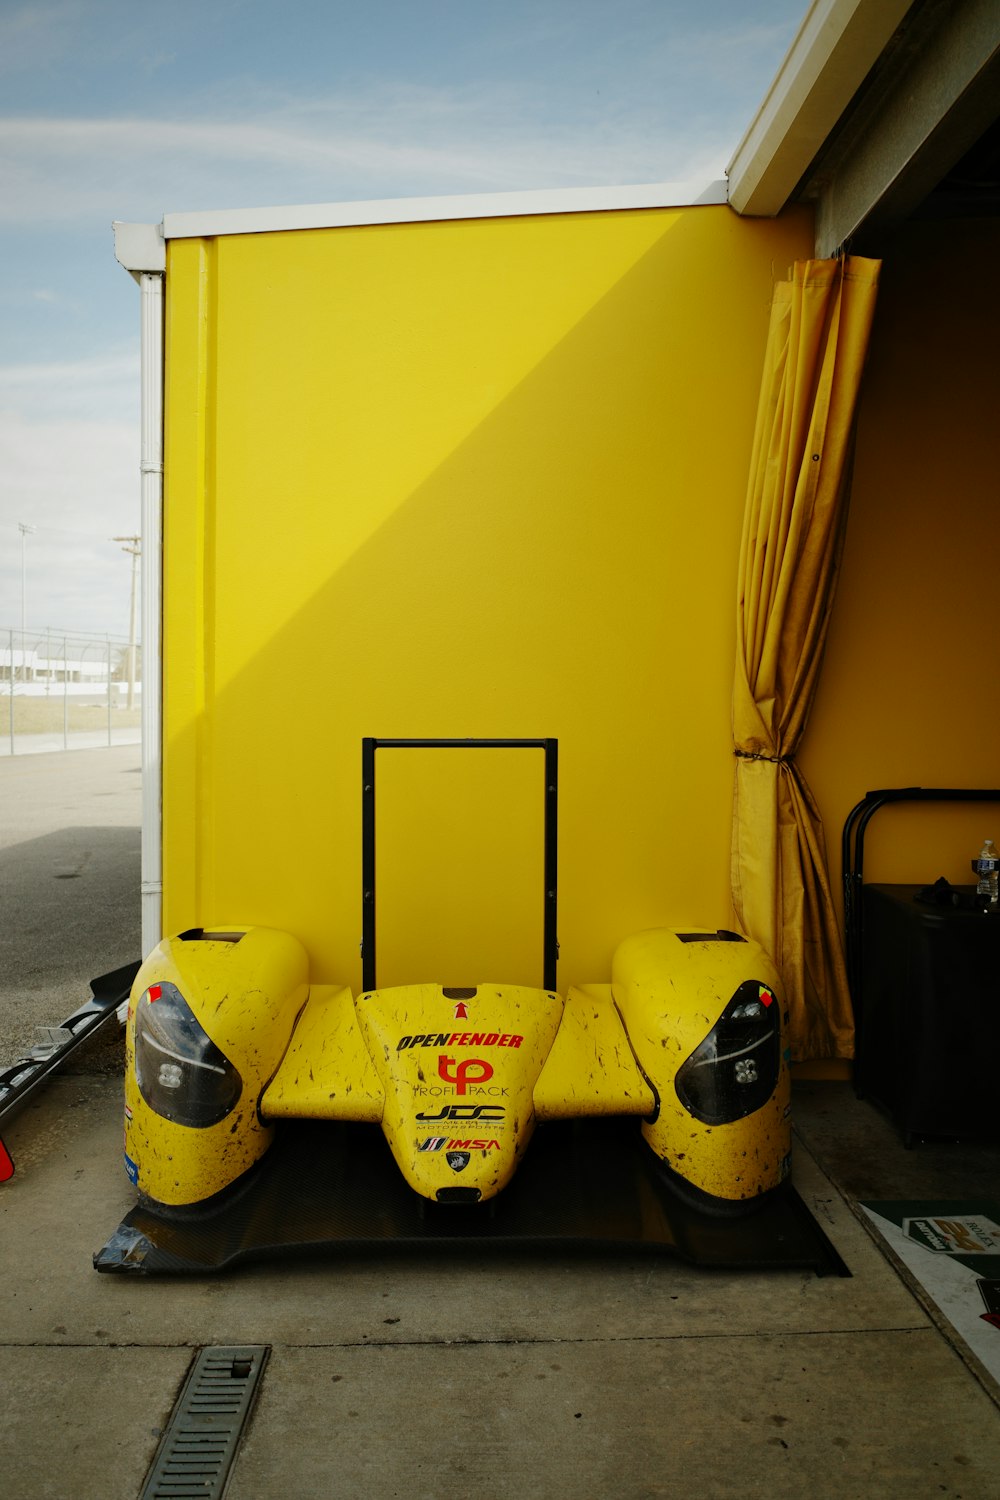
<point x="568" y="569"/>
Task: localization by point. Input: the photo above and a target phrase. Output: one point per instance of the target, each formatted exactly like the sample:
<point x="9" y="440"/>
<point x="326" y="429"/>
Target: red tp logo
<point x="461" y="1074"/>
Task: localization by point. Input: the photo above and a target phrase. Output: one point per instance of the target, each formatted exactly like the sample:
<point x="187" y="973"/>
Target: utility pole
<point x="133" y="548"/>
<point x="25" y="530"/>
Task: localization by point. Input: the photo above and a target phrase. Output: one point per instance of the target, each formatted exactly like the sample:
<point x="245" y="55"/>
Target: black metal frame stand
<point x="550" y="954"/>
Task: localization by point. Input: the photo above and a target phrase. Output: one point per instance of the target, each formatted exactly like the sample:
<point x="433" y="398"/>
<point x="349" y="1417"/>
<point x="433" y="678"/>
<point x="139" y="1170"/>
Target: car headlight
<point x="180" y="1071"/>
<point x="735" y="1069"/>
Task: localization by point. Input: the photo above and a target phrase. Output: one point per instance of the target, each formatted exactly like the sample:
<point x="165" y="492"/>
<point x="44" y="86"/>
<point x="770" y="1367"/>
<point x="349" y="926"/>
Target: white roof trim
<point x="140" y="247"/>
<point x="836" y="45"/>
<point x="460" y="206"/>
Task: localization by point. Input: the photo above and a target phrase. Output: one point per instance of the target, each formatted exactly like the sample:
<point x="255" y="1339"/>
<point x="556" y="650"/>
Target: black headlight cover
<point x="180" y="1071"/>
<point x="734" y="1071"/>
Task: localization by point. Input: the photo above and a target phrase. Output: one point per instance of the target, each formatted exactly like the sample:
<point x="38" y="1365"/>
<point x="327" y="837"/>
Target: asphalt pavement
<point x="69" y="883"/>
<point x="56" y="741"/>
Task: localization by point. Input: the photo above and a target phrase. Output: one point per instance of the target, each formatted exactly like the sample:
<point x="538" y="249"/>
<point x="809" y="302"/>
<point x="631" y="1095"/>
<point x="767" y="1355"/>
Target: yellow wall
<point x="481" y="478"/>
<point x="909" y="694"/>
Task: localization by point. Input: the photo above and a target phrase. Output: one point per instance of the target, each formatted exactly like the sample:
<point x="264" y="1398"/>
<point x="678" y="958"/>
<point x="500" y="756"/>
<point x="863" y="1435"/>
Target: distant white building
<point x="90" y="670"/>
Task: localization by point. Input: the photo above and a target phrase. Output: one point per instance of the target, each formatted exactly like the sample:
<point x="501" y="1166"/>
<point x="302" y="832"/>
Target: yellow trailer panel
<point x="480" y="477"/>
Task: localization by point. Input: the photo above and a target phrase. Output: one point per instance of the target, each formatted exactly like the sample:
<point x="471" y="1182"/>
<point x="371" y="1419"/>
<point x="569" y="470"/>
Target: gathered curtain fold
<point x="793" y="533"/>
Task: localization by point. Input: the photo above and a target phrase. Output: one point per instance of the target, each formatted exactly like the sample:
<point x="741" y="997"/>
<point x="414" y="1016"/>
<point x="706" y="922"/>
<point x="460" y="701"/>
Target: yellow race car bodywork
<point x="227" y="1037"/>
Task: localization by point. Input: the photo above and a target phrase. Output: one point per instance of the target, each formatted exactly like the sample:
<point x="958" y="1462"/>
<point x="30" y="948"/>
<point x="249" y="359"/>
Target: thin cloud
<point x="76" y="481"/>
<point x="69" y="455"/>
<point x="38" y="35"/>
<point x="553" y="96"/>
<point x="419" y="141"/>
<point x="217" y="107"/>
<point x="94" y="389"/>
<point x="65" y="472"/>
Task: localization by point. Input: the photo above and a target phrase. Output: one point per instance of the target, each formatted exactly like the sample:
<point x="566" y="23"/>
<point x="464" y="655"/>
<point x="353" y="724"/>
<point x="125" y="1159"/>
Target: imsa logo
<point x="440" y="1142"/>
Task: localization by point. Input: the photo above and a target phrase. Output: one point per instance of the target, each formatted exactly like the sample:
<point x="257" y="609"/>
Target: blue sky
<point x="120" y="109"/>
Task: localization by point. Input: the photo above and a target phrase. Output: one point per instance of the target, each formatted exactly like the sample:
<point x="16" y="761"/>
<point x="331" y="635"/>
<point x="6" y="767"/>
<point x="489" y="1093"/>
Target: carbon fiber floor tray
<point x="329" y="1188"/>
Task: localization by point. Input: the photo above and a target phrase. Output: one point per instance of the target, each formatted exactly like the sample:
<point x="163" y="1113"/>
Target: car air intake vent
<point x="203" y="935"/>
<point x="722" y="936"/>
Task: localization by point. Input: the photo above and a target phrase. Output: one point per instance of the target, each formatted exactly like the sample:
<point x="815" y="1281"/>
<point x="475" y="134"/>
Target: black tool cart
<point x="924" y="970"/>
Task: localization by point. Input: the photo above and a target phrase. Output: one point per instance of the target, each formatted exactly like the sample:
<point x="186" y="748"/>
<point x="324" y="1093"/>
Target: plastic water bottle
<point x="987" y="872"/>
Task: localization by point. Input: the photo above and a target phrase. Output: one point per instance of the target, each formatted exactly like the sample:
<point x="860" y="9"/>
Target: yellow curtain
<point x="793" y="533"/>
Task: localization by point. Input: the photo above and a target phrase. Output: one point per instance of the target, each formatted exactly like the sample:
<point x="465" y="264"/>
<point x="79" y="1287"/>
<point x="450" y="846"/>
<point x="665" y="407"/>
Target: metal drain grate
<point x="199" y="1444"/>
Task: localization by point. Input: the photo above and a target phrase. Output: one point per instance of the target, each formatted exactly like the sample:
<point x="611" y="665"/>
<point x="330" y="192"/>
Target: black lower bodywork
<point x="19" y="1081"/>
<point x="584" y="1185"/>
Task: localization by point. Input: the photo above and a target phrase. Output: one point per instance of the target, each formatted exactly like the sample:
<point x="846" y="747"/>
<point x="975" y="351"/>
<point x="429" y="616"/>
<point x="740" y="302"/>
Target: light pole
<point x="25" y="530"/>
<point x="134" y="550"/>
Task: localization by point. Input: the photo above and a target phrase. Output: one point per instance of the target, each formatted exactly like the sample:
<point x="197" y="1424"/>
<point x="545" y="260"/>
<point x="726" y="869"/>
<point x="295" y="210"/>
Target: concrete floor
<point x="605" y="1376"/>
<point x="522" y="1376"/>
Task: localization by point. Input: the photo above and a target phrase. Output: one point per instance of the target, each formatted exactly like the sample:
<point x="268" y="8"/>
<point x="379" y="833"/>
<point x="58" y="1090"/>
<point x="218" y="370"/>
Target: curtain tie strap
<point x="775" y="760"/>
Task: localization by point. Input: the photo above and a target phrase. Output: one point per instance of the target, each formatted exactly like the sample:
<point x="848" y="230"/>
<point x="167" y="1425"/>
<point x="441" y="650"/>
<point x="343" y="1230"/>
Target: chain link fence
<point x="62" y="690"/>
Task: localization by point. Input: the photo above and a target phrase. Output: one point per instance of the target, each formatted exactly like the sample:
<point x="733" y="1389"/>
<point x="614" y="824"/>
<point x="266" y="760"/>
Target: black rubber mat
<point x="594" y="1184"/>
